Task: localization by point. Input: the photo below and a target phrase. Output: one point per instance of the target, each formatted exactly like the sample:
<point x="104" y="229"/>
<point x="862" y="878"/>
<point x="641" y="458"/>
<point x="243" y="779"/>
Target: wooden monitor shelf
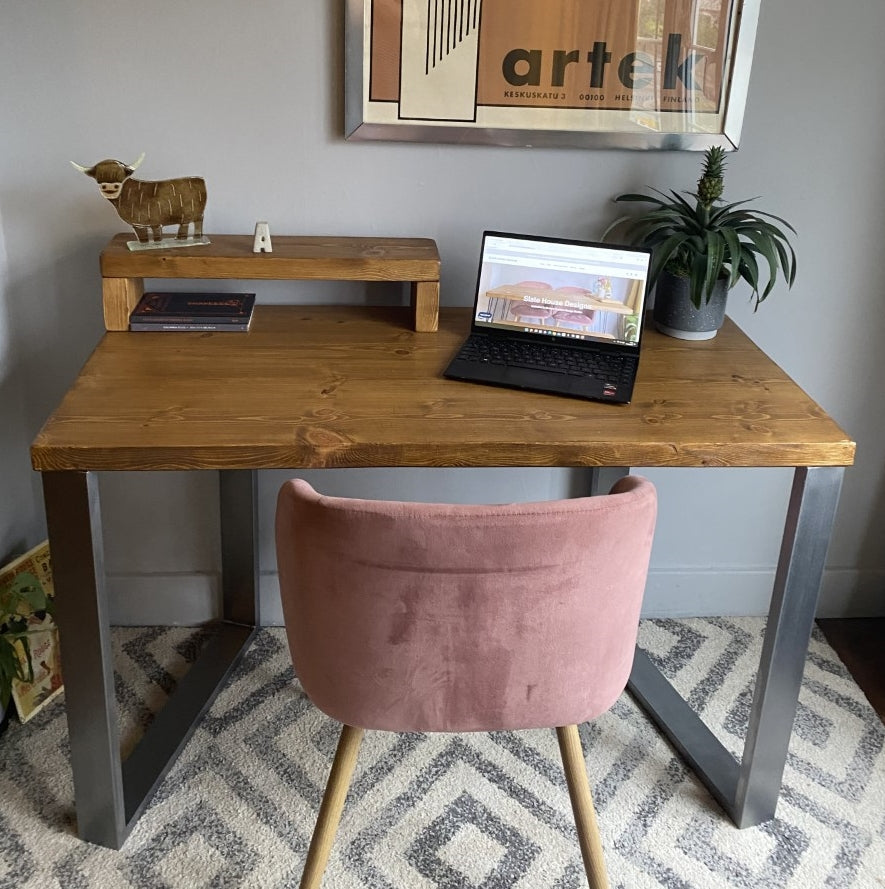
<point x="412" y="260"/>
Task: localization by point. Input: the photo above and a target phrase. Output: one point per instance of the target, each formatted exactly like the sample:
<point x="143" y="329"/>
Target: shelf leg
<point x="119" y="297"/>
<point x="425" y="305"/>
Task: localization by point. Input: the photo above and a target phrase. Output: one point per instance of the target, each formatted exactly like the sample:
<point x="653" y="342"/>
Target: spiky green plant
<point x="706" y="240"/>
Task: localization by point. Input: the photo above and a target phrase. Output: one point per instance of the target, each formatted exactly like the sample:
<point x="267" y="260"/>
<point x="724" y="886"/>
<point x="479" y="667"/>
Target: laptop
<point x="557" y="316"/>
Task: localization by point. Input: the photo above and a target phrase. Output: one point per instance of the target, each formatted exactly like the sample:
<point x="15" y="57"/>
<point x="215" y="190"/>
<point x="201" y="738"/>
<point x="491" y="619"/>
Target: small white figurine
<point x="262" y="238"/>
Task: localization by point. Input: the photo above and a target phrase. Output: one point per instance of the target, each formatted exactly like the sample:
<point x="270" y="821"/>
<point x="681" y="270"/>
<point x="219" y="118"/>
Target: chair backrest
<point x="438" y="617"/>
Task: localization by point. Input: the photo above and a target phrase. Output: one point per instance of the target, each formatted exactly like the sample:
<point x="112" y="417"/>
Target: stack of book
<point x="193" y="311"/>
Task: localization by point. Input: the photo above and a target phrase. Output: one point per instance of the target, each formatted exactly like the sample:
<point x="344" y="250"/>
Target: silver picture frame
<point x="435" y="63"/>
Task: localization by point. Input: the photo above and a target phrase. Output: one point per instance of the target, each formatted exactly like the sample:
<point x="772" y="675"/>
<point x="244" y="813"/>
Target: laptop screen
<point x="567" y="289"/>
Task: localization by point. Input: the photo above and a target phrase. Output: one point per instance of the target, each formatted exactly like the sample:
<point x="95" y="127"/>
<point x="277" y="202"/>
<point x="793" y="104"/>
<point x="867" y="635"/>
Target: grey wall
<point x="249" y="95"/>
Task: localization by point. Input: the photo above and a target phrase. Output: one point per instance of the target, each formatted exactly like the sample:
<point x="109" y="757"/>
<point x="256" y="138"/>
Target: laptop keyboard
<point x="609" y="368"/>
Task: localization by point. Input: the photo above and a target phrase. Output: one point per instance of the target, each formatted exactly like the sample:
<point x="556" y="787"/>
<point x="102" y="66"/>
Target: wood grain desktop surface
<point x="351" y="386"/>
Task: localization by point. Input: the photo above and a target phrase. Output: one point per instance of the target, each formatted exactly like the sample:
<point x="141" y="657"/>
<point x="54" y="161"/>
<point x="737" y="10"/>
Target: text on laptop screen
<point x="561" y="289"/>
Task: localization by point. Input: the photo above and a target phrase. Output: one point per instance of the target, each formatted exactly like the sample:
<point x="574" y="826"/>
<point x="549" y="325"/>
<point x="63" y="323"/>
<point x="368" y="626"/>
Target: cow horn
<point x="133" y="167"/>
<point x="81" y="169"/>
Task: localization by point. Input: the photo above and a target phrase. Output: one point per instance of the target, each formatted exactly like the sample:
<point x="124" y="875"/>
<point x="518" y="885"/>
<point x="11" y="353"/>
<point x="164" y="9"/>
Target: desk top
<point x="350" y="387"/>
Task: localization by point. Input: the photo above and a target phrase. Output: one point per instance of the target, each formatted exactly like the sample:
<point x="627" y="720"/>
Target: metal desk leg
<point x="111" y="796"/>
<point x="749" y="792"/>
<point x="603" y="477"/>
<point x="173" y="726"/>
<point x="797" y="584"/>
<point x="73" y="517"/>
<point x="238" y="495"/>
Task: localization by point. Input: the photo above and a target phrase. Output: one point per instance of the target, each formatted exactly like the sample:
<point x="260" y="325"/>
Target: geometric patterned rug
<point x="456" y="811"/>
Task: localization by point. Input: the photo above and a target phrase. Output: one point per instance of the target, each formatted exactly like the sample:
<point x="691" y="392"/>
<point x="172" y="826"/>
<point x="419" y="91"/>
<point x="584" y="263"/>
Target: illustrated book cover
<point x="200" y="311"/>
<point x="30" y="697"/>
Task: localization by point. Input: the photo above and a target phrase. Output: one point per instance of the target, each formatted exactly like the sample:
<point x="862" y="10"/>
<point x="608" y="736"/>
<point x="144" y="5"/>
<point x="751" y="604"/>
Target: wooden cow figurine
<point x="148" y="206"/>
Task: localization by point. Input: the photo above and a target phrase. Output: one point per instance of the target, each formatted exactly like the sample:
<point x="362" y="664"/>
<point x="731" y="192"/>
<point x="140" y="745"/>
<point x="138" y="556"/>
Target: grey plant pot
<point x="675" y="314"/>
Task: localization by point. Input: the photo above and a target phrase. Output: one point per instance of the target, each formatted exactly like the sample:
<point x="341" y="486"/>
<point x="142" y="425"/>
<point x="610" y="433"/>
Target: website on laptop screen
<point x="561" y="289"/>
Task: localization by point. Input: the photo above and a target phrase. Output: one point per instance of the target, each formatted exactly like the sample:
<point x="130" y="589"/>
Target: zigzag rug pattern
<point x="463" y="811"/>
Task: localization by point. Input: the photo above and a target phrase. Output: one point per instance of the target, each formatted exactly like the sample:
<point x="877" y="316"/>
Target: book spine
<point x="190" y="319"/>
<point x="157" y="328"/>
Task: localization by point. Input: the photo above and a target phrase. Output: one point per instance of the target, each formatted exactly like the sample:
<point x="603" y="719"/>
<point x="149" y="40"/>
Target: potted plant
<point x="702" y="247"/>
<point x="21" y="599"/>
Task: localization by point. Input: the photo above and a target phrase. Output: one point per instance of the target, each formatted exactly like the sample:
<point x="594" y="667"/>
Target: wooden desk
<point x="350" y="387"/>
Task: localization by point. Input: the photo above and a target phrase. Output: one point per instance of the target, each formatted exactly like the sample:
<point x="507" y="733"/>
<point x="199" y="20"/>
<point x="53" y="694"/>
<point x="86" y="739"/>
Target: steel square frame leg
<point x="749" y="791"/>
<point x="111" y="795"/>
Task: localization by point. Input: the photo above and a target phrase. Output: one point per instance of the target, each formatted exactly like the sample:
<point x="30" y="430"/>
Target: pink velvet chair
<point x="421" y="617"/>
<point x="526" y="313"/>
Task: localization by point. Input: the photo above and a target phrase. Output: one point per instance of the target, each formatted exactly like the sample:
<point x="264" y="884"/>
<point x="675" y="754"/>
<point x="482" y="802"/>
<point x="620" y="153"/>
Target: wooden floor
<point x="860" y="643"/>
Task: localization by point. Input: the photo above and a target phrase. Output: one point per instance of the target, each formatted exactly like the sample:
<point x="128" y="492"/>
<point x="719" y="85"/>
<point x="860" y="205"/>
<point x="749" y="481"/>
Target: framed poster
<point x="589" y="73"/>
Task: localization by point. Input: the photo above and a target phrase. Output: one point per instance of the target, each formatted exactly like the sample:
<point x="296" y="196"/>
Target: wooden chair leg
<point x="582" y="805"/>
<point x="332" y="805"/>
